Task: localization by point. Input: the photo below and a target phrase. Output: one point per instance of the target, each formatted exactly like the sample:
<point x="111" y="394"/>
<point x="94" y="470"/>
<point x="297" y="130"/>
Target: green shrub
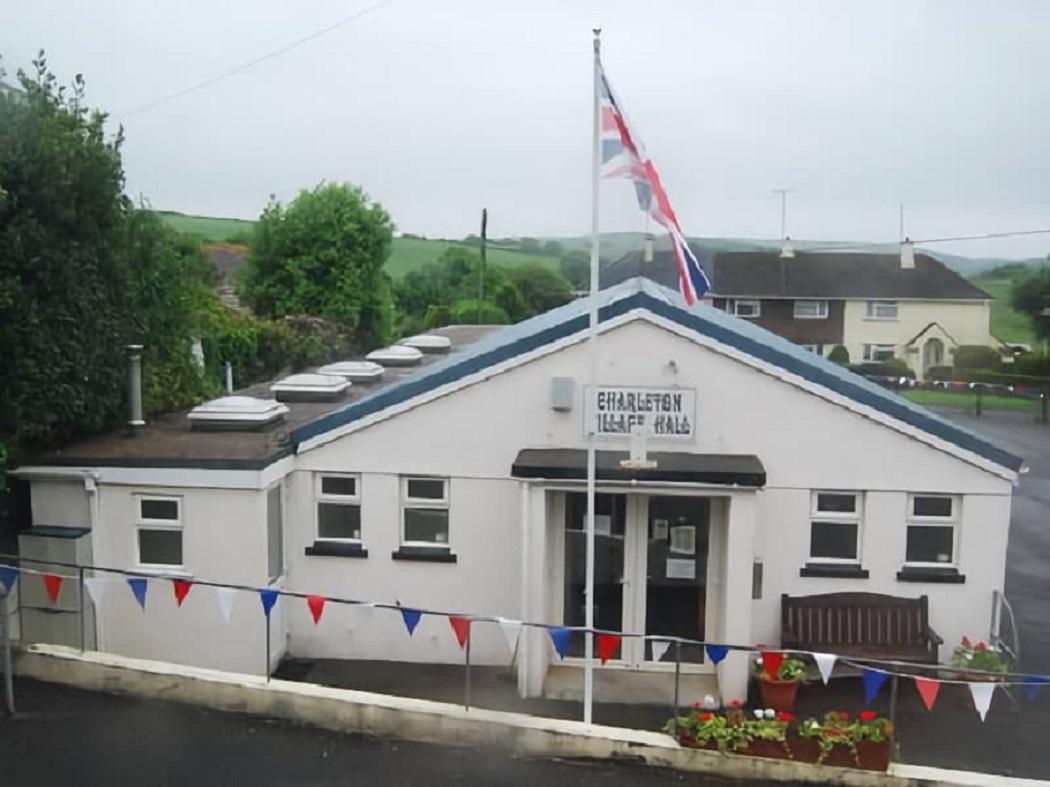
<point x="976" y="356"/>
<point x="466" y="312"/>
<point x="893" y="367"/>
<point x="839" y="355"/>
<point x="940" y="373"/>
<point x="1032" y="364"/>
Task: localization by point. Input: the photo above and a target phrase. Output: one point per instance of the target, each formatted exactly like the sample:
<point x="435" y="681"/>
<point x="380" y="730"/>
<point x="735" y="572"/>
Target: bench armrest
<point x="932" y="636"/>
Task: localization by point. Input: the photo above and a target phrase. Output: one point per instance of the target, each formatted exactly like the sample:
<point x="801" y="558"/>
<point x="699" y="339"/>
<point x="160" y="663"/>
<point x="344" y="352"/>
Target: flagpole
<point x="592" y="338"/>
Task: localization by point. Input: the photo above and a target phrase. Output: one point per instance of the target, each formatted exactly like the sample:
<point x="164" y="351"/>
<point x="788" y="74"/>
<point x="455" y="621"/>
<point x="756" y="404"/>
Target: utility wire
<point x="262" y="58"/>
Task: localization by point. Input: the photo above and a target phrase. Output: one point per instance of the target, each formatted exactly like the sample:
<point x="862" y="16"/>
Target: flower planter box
<point x="872" y="756"/>
<point x="774" y="750"/>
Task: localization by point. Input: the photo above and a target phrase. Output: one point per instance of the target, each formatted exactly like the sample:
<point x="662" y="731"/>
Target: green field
<point x="967" y="400"/>
<point x="206" y="227"/>
<point x="1007" y="324"/>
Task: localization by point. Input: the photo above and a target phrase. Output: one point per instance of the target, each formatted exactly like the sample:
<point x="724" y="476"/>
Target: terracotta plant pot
<point x="778" y="694"/>
<point x="873" y="756"/>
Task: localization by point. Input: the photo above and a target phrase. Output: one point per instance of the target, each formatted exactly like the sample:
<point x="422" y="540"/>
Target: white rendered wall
<point x="474" y="435"/>
<point x="224" y="540"/>
<point x="60" y="503"/>
<point x="968" y="322"/>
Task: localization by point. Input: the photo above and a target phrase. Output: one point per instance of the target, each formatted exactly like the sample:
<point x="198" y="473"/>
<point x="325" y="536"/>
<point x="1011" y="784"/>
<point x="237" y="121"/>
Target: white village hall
<point x="454" y="481"/>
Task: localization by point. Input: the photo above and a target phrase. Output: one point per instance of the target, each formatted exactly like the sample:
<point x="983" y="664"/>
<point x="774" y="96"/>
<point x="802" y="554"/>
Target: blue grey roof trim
<point x="572" y="318"/>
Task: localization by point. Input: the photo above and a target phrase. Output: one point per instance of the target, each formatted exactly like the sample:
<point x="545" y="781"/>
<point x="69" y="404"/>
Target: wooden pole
<point x="481" y="272"/>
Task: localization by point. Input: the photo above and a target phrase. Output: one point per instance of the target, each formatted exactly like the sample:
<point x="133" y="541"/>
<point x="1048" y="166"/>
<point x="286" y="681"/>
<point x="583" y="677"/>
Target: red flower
<point x="696" y="706"/>
<point x="785" y="716"/>
<point x="706" y="716"/>
<point x="844" y="716"/>
<point x="736" y="704"/>
<point x="868" y="715"/>
<point x="966" y="642"/>
<point x="980" y="646"/>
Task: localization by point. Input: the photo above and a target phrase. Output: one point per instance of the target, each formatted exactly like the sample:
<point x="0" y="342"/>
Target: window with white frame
<point x="879" y="352"/>
<point x="338" y="497"/>
<point x="811" y="310"/>
<point x="834" y="528"/>
<point x="274" y="533"/>
<point x="816" y="349"/>
<point x="932" y="524"/>
<point x="882" y="310"/>
<point x="159" y="531"/>
<point x="424" y="512"/>
<point x="749" y="309"/>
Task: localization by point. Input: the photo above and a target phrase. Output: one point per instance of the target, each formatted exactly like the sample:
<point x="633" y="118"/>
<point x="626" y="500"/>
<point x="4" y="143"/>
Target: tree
<point x="323" y="255"/>
<point x="541" y="288"/>
<point x="576" y="267"/>
<point x="1031" y="295"/>
<point x="82" y="274"/>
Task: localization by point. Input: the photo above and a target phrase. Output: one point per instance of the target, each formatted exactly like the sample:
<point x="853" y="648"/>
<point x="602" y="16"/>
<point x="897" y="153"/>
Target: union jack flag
<point x="624" y="156"/>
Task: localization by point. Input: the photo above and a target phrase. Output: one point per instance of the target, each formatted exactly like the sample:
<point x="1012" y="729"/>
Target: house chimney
<point x="907" y="253"/>
<point x="135" y="386"/>
<point x="787" y="250"/>
<point x="647" y="253"/>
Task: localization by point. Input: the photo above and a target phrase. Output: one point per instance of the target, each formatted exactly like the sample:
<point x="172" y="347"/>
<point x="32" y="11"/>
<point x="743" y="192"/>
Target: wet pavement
<point x="67" y="736"/>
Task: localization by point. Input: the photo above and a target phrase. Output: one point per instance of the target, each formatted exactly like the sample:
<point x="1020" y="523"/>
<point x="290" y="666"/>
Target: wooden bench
<point x="861" y="625"/>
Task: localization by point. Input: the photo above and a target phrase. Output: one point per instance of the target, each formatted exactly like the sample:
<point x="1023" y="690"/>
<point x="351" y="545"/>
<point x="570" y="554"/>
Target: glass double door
<point x="650" y="570"/>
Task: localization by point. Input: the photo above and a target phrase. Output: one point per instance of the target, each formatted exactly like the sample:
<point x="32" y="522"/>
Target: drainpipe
<point x="135" y="421"/>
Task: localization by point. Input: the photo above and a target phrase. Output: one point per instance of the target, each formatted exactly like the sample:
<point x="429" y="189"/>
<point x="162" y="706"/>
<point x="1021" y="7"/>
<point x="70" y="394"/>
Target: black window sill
<point x="336" y="549"/>
<point x="833" y="571"/>
<point x="425" y="554"/>
<point x="949" y="576"/>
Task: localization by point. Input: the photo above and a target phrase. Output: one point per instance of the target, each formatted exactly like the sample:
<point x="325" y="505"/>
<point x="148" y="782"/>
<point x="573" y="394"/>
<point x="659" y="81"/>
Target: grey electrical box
<point x="563" y="391"/>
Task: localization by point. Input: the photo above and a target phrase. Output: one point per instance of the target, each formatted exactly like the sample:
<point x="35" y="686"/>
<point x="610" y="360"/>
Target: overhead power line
<point x="260" y="59"/>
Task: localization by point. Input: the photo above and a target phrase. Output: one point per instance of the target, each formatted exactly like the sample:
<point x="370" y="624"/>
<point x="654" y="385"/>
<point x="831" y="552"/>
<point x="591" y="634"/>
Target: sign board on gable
<point x="659" y="413"/>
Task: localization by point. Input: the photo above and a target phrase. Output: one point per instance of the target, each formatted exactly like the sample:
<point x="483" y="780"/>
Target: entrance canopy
<point x="681" y="467"/>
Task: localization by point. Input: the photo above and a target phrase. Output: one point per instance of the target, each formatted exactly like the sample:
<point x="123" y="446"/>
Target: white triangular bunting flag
<point x="96" y="588"/>
<point x="225" y="597"/>
<point x="825" y="663"/>
<point x="511" y="631"/>
<point x="982" y="696"/>
<point x="659" y="647"/>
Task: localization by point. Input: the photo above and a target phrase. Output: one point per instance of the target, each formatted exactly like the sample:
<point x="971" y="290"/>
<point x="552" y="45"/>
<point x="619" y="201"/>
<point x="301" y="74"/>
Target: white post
<point x="592" y="337"/>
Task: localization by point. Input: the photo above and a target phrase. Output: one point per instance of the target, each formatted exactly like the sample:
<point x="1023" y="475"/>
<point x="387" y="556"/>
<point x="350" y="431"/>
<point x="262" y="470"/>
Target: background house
<point x="877" y="306"/>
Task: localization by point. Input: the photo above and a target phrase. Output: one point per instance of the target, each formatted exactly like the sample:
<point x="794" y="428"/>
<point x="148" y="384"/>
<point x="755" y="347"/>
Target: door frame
<point x="636" y="555"/>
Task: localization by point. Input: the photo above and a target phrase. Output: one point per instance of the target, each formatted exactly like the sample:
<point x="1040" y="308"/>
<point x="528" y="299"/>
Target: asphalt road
<point x="64" y="736"/>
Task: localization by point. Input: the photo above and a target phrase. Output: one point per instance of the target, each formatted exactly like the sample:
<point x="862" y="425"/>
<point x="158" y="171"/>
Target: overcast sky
<point x="440" y="107"/>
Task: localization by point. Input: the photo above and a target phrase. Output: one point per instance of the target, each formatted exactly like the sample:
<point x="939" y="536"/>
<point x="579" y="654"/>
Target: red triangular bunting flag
<point x="181" y="588"/>
<point x="53" y="585"/>
<point x="608" y="644"/>
<point x="928" y="690"/>
<point x="771" y="661"/>
<point x="316" y="605"/>
<point x="462" y="628"/>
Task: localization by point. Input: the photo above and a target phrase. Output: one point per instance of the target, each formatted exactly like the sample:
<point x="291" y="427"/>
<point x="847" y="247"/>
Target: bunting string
<point x="873" y="671"/>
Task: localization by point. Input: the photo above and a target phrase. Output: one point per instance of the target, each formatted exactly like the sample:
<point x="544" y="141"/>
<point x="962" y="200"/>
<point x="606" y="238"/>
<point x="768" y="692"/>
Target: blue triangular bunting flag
<point x="138" y="588"/>
<point x="411" y="618"/>
<point x="873" y="680"/>
<point x="560" y="638"/>
<point x="8" y="575"/>
<point x="1032" y="684"/>
<point x="268" y="597"/>
<point x="716" y="652"/>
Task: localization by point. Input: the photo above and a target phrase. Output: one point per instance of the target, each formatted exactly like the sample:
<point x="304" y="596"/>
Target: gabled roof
<point x="514" y="341"/>
<point x="765" y="274"/>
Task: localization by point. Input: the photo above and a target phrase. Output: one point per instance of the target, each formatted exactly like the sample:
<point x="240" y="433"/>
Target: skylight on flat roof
<point x="355" y="371"/>
<point x="310" y="387"/>
<point x="397" y="355"/>
<point x="428" y="343"/>
<point x="236" y="412"/>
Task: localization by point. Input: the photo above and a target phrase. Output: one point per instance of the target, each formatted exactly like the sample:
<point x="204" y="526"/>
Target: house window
<point x="424" y="512"/>
<point x="749" y="309"/>
<point x="811" y="310"/>
<point x="159" y="531"/>
<point x="816" y="349"/>
<point x="274" y="533"/>
<point x="338" y="507"/>
<point x="882" y="310"/>
<point x="879" y="352"/>
<point x="932" y="522"/>
<point x="834" y="530"/>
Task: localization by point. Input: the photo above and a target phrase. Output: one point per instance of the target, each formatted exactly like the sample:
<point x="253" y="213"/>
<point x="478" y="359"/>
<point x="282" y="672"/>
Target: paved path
<point x="64" y="736"/>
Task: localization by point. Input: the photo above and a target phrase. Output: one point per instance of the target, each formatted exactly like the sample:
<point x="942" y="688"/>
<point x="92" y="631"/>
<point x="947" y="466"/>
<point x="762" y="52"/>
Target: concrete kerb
<point x="423" y="720"/>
